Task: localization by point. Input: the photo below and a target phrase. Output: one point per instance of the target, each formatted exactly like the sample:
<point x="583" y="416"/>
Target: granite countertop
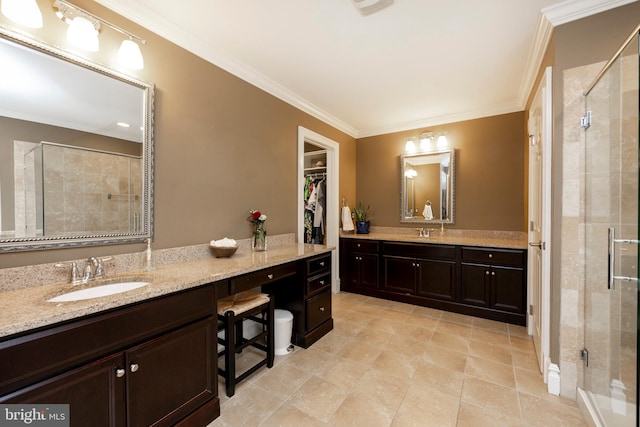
<point x="488" y="240"/>
<point x="27" y="308"/>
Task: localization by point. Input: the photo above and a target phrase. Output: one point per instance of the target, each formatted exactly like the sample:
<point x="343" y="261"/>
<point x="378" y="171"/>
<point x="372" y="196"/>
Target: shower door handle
<point x="611" y="276"/>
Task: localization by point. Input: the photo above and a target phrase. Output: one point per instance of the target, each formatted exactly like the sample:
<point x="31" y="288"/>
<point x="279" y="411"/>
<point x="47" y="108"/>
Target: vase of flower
<point x="259" y="238"/>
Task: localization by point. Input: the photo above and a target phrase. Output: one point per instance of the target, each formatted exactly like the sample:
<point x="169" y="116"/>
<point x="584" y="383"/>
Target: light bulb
<point x="83" y="34"/>
<point x="130" y="56"/>
<point x="23" y="12"/>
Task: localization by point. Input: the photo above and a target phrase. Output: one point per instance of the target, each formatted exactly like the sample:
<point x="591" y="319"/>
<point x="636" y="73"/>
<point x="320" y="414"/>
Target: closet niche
<point x="315" y="194"/>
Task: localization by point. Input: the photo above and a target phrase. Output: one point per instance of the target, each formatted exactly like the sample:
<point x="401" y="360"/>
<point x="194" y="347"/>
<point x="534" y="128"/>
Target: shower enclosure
<point x="610" y="176"/>
<point x="67" y="190"/>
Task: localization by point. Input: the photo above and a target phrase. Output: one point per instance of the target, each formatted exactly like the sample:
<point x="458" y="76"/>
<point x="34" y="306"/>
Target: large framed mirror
<point x="427" y="192"/>
<point x="76" y="150"/>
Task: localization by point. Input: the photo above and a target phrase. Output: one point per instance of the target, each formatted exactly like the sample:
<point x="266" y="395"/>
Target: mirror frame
<point x="81" y="240"/>
<point x="403" y="188"/>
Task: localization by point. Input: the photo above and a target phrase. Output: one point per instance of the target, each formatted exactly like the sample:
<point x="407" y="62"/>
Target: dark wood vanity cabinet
<point x="359" y="264"/>
<point x="483" y="282"/>
<point x="493" y="278"/>
<point x="420" y="269"/>
<point x="147" y="364"/>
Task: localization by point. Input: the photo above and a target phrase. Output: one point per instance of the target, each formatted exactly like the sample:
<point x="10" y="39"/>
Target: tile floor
<point x="394" y="364"/>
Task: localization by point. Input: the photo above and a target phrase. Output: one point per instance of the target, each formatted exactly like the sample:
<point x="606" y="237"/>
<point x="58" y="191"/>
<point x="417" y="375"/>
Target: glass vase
<point x="259" y="237"/>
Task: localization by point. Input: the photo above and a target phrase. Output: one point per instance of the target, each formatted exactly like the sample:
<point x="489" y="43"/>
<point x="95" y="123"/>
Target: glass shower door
<point x="611" y="241"/>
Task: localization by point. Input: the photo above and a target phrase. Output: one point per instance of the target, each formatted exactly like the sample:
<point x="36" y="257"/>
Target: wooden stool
<point x="232" y="312"/>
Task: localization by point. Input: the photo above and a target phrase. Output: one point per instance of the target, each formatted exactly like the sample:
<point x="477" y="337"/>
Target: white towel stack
<point x="427" y="213"/>
<point x="347" y="222"/>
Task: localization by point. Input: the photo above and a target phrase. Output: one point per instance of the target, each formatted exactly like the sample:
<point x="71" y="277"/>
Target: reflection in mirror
<point x="427" y="187"/>
<point x="75" y="150"/>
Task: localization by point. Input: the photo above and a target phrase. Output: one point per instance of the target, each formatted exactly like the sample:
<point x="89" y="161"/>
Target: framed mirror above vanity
<point x="427" y="191"/>
<point x="76" y="150"/>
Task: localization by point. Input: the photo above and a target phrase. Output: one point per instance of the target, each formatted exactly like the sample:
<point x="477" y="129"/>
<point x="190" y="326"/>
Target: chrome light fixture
<point x="367" y="7"/>
<point x="23" y="12"/>
<point x="84" y="28"/>
<point x="426" y="142"/>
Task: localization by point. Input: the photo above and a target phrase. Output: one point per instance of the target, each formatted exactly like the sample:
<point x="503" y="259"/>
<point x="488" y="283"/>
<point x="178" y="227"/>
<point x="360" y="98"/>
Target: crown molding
<point x="573" y="10"/>
<point x="534" y="61"/>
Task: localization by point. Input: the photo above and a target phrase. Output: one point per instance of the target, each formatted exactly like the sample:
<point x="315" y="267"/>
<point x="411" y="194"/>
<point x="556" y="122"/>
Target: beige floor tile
<point x="425" y="407"/>
<point x="360" y="411"/>
<point x="342" y="372"/>
<point x="282" y="380"/>
<point x="249" y="407"/>
<point x="332" y="342"/>
<point x="307" y="360"/>
<point x="346" y="328"/>
<point x="384" y="324"/>
<point x="422" y="321"/>
<point x="388" y="390"/>
<point x="474" y="416"/>
<point x="533" y="383"/>
<point x="494" y="372"/>
<point x="525" y="360"/>
<point x="397" y="364"/>
<point x="450" y="342"/>
<point x="445" y="357"/>
<point x="540" y="412"/>
<point x="318" y="398"/>
<point x="491" y="325"/>
<point x="448" y="327"/>
<point x="518" y="331"/>
<point x="427" y="312"/>
<point x="491" y="397"/>
<point x="407" y="346"/>
<point x="361" y="352"/>
<point x="401" y="307"/>
<point x="354" y="317"/>
<point x="461" y="319"/>
<point x="522" y="343"/>
<point x="491" y="352"/>
<point x="394" y="315"/>
<point x="491" y="336"/>
<point x="290" y="416"/>
<point x="441" y="379"/>
<point x="374" y="336"/>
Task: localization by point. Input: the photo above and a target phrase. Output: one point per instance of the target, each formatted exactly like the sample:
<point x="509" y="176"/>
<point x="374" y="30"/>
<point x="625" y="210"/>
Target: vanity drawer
<point x="361" y="245"/>
<point x="419" y="250"/>
<point x="318" y="309"/>
<point x="262" y="277"/>
<point x="318" y="264"/>
<point x="317" y="283"/>
<point x="515" y="257"/>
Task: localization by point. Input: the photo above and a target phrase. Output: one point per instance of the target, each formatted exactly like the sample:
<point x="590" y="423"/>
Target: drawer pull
<point x="134" y="367"/>
<point x="490" y="255"/>
<point x="322" y="282"/>
<point x="486" y="272"/>
<point x="321" y="308"/>
<point x="270" y="276"/>
<point x="493" y="273"/>
<point x="321" y="263"/>
<point x="358" y="244"/>
<point x="120" y="373"/>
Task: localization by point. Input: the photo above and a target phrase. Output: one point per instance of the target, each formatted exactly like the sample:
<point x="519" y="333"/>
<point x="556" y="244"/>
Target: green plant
<point x="362" y="214"/>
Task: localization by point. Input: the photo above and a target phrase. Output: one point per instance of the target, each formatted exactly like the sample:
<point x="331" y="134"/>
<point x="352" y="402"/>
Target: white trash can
<point x="283" y="324"/>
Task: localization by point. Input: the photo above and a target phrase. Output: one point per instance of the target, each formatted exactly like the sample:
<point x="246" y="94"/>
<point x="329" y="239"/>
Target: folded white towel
<point x="347" y="222"/>
<point x="427" y="213"/>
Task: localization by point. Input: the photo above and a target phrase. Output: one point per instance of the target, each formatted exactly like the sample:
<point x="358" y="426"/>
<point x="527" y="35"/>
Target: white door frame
<point x="544" y="90"/>
<point x="333" y="189"/>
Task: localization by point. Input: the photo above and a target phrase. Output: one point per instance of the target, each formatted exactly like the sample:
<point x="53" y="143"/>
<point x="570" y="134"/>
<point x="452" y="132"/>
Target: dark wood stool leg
<point x="230" y="354"/>
<point x="270" y="334"/>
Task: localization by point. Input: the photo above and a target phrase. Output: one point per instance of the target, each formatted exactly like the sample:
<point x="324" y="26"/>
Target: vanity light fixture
<point x="425" y="140"/>
<point x="23" y="12"/>
<point x="84" y="28"/>
<point x="442" y="140"/>
<point x="410" y="146"/>
<point x="411" y="173"/>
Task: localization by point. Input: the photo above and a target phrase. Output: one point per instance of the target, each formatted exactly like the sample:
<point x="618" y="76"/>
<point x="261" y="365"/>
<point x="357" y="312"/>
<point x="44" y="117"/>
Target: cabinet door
<point x="508" y="289"/>
<point x="399" y="274"/>
<point x="349" y="270"/>
<point x="475" y="284"/>
<point x="368" y="270"/>
<point x="171" y="376"/>
<point x="94" y="393"/>
<point x="437" y="279"/>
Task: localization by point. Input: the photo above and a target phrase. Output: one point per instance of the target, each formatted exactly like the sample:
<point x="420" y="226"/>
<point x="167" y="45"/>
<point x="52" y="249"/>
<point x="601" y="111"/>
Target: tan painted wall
<point x="222" y="146"/>
<point x="489" y="176"/>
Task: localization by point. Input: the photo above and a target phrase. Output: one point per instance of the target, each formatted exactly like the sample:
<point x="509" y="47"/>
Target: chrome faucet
<point x="424" y="232"/>
<point x="94" y="268"/>
<point x="75" y="274"/>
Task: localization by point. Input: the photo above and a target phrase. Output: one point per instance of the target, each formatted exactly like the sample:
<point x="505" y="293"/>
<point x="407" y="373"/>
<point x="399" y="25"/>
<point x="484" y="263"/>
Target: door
<point x="539" y="128"/>
<point x="611" y="241"/>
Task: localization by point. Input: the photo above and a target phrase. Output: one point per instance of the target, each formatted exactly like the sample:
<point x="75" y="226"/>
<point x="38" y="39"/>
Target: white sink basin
<point x="98" y="291"/>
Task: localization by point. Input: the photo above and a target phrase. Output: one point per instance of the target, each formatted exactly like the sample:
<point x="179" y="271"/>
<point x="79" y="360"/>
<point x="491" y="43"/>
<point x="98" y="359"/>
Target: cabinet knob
<point x="322" y="282"/>
<point x="321" y="308"/>
<point x="493" y="273"/>
<point x="490" y="255"/>
<point x="486" y="272"/>
<point x="120" y="373"/>
<point x="270" y="276"/>
<point x="358" y="245"/>
<point x="321" y="263"/>
<point x="134" y="367"/>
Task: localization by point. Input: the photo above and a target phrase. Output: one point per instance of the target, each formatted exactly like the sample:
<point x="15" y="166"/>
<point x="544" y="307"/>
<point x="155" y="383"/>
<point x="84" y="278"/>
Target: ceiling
<point x="414" y="64"/>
